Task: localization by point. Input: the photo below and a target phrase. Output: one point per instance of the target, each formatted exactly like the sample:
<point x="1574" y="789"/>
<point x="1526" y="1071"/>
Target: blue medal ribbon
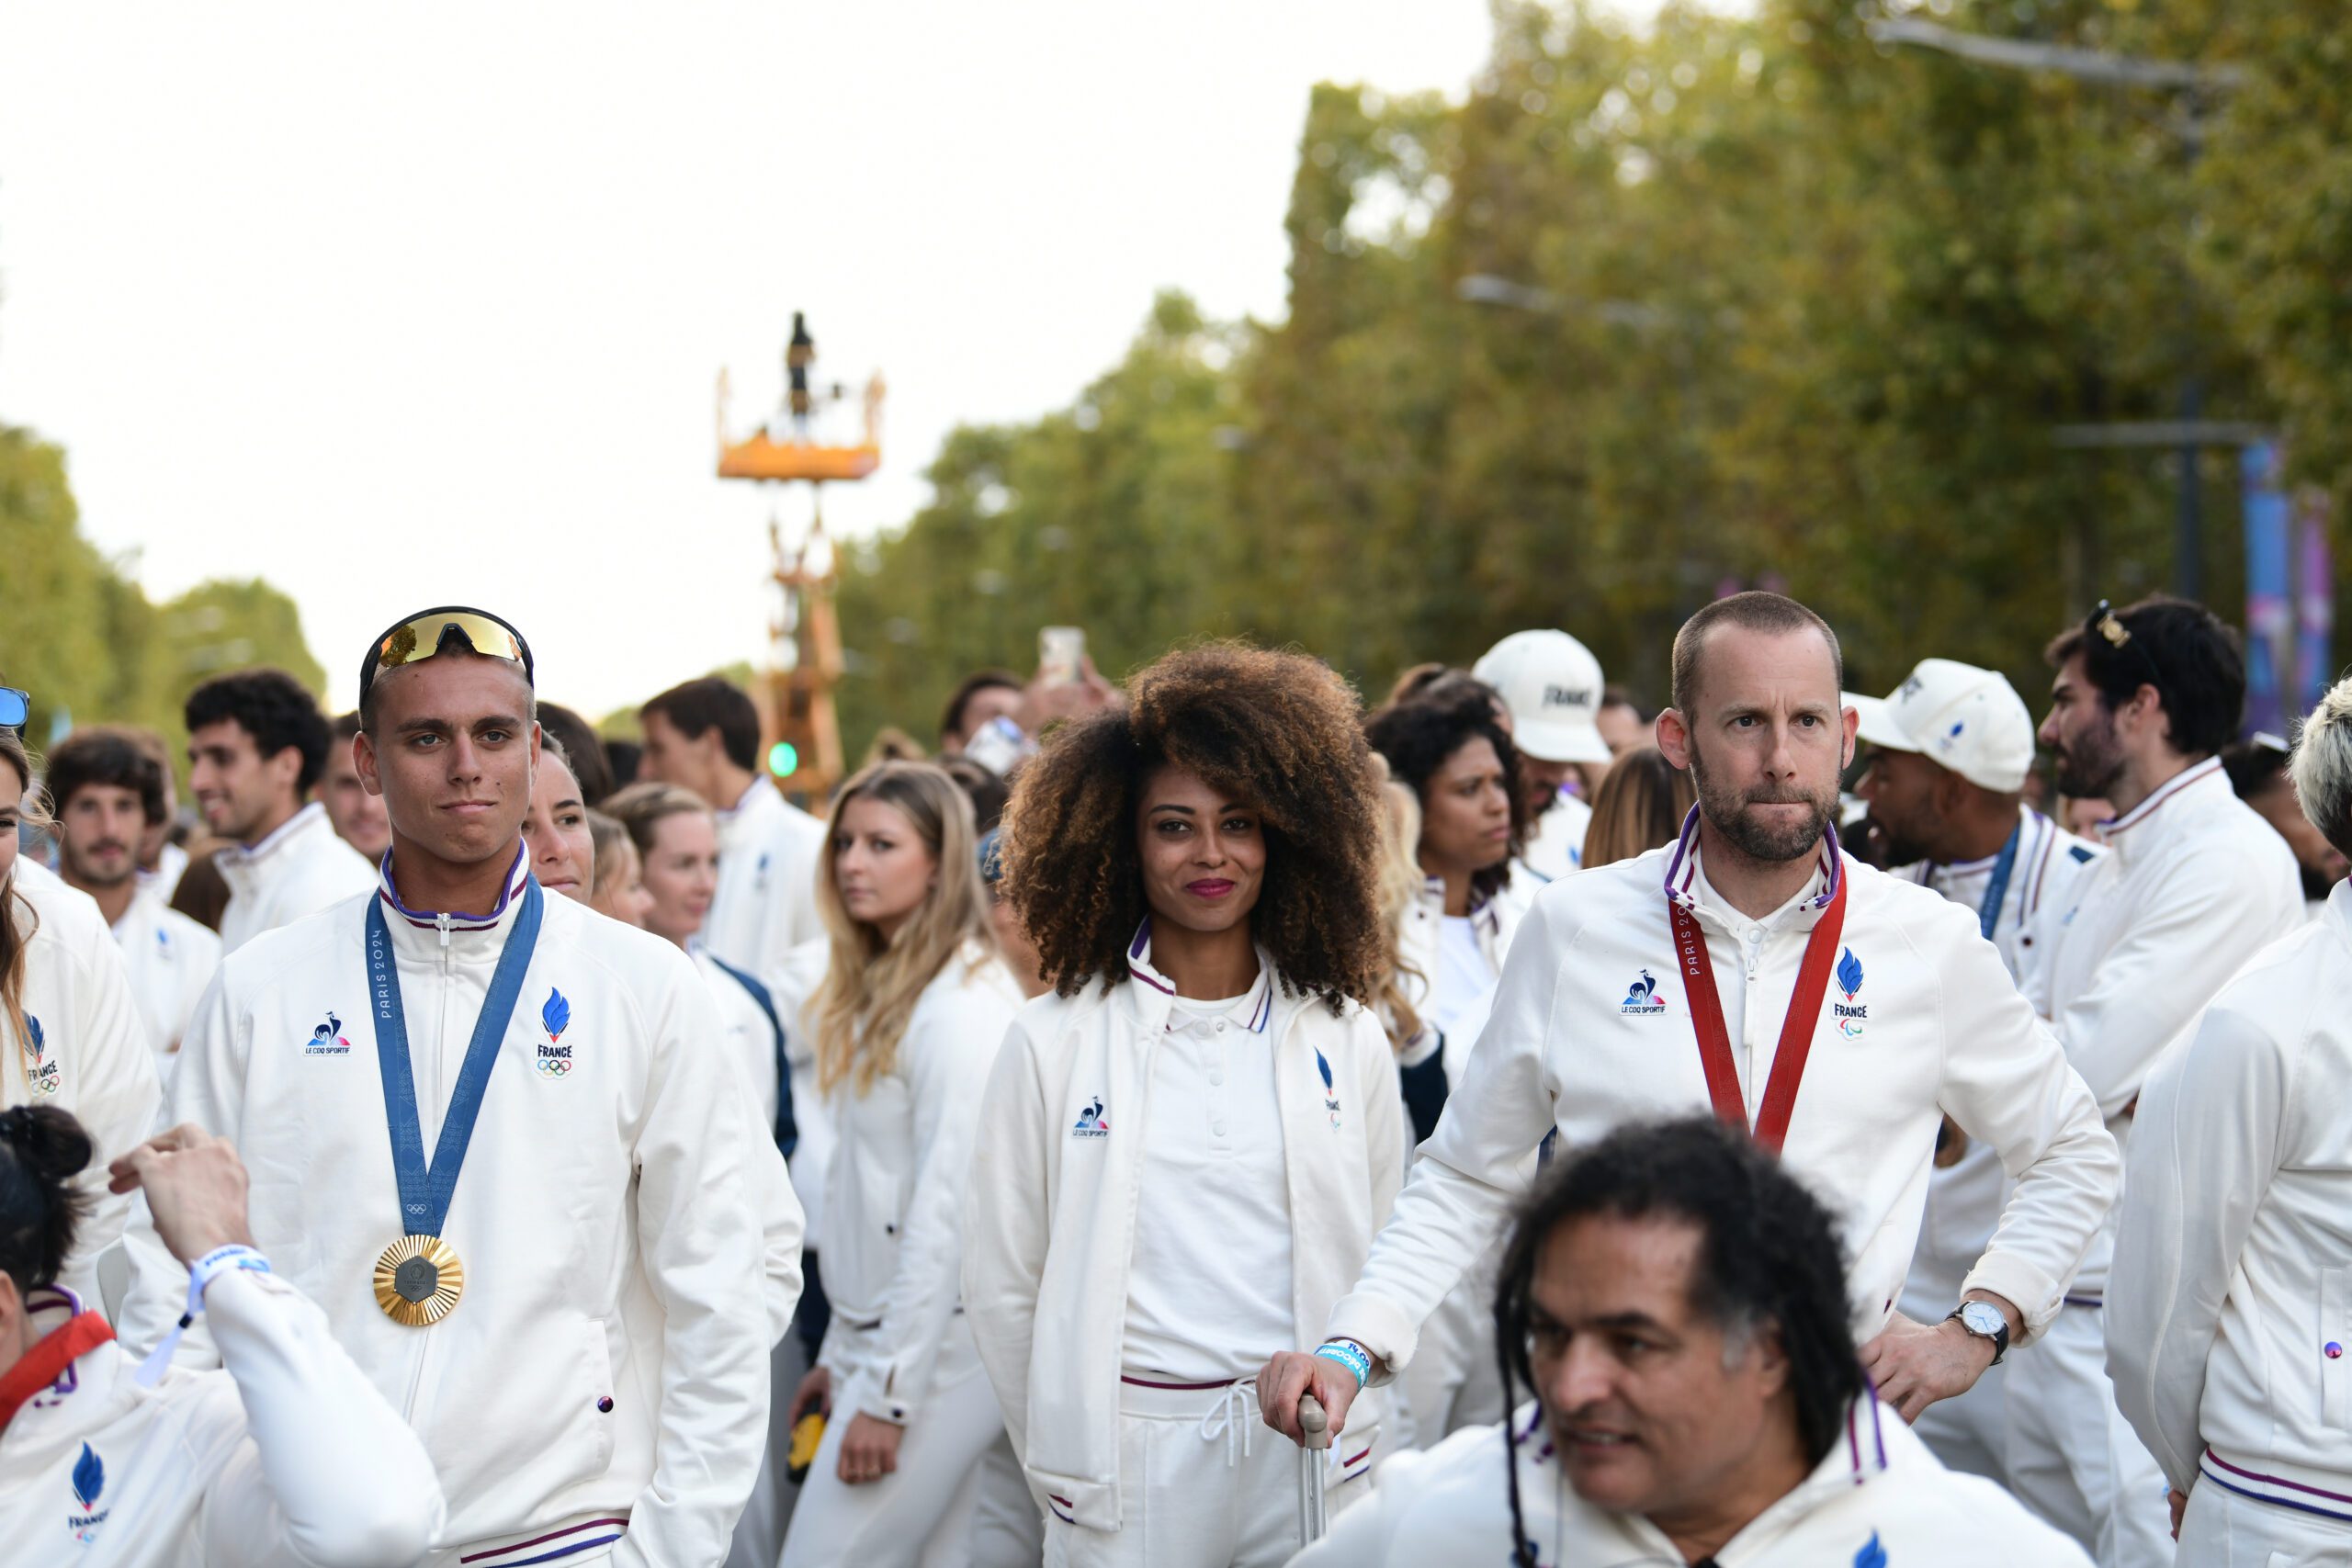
<point x="426" y="1191"/>
<point x="1988" y="914"/>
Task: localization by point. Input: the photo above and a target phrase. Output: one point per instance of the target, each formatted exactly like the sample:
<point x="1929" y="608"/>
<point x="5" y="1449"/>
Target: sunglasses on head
<point x="13" y="706"/>
<point x="2105" y="622"/>
<point x="422" y="635"/>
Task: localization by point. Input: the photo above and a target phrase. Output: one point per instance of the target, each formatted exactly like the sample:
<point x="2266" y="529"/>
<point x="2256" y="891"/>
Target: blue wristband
<point x="1349" y="1355"/>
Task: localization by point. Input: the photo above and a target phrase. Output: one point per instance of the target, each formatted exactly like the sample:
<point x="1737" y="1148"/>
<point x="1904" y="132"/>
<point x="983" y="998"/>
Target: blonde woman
<point x="70" y="1031"/>
<point x="1640" y="806"/>
<point x="619" y="886"/>
<point x="907" y="1021"/>
<point x="1404" y="990"/>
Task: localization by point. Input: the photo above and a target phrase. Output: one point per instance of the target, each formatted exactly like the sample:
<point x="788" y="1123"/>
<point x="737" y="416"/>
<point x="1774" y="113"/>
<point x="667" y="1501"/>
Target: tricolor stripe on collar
<point x="2188" y="778"/>
<point x="1683" y="866"/>
<point x="516" y="876"/>
<point x="1261" y="1010"/>
<point x="1854" y="1434"/>
<point x="1487" y="912"/>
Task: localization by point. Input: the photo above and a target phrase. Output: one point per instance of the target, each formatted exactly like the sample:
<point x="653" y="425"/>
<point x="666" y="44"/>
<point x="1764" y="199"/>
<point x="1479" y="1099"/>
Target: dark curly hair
<point x="1769" y="1257"/>
<point x="1418" y="734"/>
<point x="41" y="1150"/>
<point x="1279" y="730"/>
<point x="273" y="707"/>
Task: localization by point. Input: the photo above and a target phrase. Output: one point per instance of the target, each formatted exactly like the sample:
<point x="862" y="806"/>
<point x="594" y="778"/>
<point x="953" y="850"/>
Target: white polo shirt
<point x="297" y="870"/>
<point x="1591" y="1027"/>
<point x="170" y="960"/>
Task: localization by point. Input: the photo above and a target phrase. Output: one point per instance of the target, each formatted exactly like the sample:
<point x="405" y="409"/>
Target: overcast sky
<point x="399" y="305"/>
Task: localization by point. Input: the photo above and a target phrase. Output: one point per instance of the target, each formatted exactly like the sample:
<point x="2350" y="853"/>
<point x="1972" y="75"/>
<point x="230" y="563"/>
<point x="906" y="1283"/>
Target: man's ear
<point x="285" y="769"/>
<point x="363" y="763"/>
<point x="1674" y="739"/>
<point x="1850" y="720"/>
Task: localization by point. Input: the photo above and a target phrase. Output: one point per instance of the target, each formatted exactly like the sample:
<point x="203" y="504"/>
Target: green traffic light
<point x="783" y="760"/>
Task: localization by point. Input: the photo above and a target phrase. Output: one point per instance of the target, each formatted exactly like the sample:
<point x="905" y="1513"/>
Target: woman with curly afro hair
<point x="1187" y="1147"/>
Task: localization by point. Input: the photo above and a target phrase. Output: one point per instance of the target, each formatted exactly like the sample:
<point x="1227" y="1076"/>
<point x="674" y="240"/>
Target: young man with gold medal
<point x="490" y="1133"/>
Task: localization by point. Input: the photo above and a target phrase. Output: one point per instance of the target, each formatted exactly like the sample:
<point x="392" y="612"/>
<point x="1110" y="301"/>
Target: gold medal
<point x="418" y="1280"/>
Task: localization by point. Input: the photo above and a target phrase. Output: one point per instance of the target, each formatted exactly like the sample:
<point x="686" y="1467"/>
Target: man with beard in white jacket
<point x="1676" y="1302"/>
<point x="2193" y="884"/>
<point x="288" y="1459"/>
<point x="2230" y="1308"/>
<point x="1950" y="752"/>
<point x="68" y="1026"/>
<point x="577" y="1319"/>
<point x="256" y="743"/>
<point x="1628" y="985"/>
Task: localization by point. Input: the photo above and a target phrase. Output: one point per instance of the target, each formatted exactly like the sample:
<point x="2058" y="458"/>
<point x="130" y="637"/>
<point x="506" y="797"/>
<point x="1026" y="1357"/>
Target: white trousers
<point x="2221" y="1530"/>
<point x="759" y="1531"/>
<point x="1971" y="1434"/>
<point x="1204" y="1482"/>
<point x="1008" y="1528"/>
<point x="2072" y="1459"/>
<point x="920" y="1514"/>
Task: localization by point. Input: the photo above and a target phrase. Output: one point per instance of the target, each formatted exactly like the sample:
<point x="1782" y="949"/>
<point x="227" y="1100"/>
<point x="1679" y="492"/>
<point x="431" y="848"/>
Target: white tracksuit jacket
<point x="298" y="870"/>
<point x="609" y="1358"/>
<point x="2229" y="1320"/>
<point x="1494" y="923"/>
<point x="895" y="1197"/>
<point x="171" y="960"/>
<point x="1050" y="1221"/>
<point x="764" y="920"/>
<point x="288" y="1459"/>
<point x="1879" y="1499"/>
<point x="1591" y="1027"/>
<point x="90" y="1055"/>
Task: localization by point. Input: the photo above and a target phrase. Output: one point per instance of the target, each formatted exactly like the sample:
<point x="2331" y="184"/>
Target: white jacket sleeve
<point x="331" y="1476"/>
<point x="2006" y="1083"/>
<point x="2175" y="957"/>
<point x="1470" y="1170"/>
<point x="1006" y="1228"/>
<point x="2207" y="1142"/>
<point x="700" y="1237"/>
<point x="947" y="1065"/>
<point x="207" y="1088"/>
<point x="115" y="1101"/>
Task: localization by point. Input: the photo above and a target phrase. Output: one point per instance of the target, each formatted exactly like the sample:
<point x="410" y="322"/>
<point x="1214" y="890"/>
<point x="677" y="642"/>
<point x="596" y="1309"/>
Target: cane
<point x="1314" y="1446"/>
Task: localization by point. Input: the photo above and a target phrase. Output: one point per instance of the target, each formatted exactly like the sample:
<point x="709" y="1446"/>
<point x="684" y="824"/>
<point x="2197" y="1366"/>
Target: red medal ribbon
<point x="1796" y="1030"/>
<point x="46" y="1361"/>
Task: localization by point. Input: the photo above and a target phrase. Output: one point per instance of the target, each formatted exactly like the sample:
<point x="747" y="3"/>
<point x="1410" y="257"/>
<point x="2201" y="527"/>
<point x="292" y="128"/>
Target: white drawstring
<point x="1230" y="1415"/>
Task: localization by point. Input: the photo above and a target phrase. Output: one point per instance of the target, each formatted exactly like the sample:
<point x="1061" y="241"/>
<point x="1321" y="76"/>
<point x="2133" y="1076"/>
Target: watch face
<point x="1982" y="1318"/>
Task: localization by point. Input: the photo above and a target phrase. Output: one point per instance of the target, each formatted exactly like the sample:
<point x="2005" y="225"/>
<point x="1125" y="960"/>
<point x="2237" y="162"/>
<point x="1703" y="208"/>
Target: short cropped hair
<point x="1754" y="611"/>
<point x="273" y="707"/>
<point x="2322" y="766"/>
<point x="105" y="755"/>
<point x="696" y="708"/>
<point x="951" y="718"/>
<point x="2181" y="648"/>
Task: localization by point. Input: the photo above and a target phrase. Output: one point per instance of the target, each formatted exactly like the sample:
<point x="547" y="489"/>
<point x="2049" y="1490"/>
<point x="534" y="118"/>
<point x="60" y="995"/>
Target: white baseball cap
<point x="1550" y="683"/>
<point x="1956" y="715"/>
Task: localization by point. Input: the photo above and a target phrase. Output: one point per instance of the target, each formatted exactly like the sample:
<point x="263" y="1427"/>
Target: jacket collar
<point x="2173" y="806"/>
<point x="1485" y="912"/>
<point x="420" y="930"/>
<point x="309" y="819"/>
<point x="1684" y="879"/>
<point x="1257" y="1008"/>
<point x="757" y="803"/>
<point x="83" y="1397"/>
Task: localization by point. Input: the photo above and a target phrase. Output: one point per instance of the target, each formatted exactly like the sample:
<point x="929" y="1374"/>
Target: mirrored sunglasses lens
<point x="13" y="706"/>
<point x="421" y="638"/>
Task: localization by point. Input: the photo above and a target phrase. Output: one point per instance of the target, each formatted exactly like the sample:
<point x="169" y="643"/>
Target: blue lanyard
<point x="1988" y="914"/>
<point x="426" y="1191"/>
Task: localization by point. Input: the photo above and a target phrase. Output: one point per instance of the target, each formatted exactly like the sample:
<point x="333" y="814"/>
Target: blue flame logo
<point x="89" y="1478"/>
<point x="1325" y="1067"/>
<point x="1849" y="973"/>
<point x="1871" y="1555"/>
<point x="32" y="1026"/>
<point x="556" y="1015"/>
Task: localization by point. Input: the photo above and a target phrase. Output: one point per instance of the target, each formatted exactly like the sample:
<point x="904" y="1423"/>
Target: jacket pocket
<point x="2334" y="1331"/>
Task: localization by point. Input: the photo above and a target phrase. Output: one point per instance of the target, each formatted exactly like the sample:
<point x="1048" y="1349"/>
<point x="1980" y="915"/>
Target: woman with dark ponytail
<point x="286" y="1459"/>
<point x="71" y="1035"/>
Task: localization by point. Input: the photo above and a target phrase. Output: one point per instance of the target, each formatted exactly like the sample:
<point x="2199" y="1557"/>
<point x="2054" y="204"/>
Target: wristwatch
<point x="1983" y="1320"/>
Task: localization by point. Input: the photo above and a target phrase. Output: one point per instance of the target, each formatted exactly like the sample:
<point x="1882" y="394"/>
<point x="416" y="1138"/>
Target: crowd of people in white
<point x="1787" y="1128"/>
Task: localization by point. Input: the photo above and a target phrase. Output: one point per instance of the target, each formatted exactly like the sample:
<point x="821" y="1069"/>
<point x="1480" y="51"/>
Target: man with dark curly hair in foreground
<point x="1186" y="1149"/>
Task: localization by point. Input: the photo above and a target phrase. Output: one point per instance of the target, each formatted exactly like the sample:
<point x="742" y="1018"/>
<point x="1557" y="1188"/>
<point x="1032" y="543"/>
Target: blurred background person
<point x="1640" y="806"/>
<point x="982" y="695"/>
<point x="619" y="889"/>
<point x="1623" y="722"/>
<point x="289" y="1458"/>
<point x="357" y="817"/>
<point x="2260" y="775"/>
<point x="987" y="790"/>
<point x="162" y="858"/>
<point x="913" y="1007"/>
<point x="256" y="743"/>
<point x="583" y="752"/>
<point x="1012" y="943"/>
<point x="1404" y="990"/>
<point x="1198" y="870"/>
<point x="75" y="1039"/>
<point x="1549" y="685"/>
<point x="106" y="790"/>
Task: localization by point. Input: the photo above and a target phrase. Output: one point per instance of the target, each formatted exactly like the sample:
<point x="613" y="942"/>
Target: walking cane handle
<point x="1315" y="1428"/>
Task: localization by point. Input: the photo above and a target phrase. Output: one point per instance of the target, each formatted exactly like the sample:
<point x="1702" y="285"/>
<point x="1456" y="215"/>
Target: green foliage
<point x="82" y="639"/>
<point x="1792" y="307"/>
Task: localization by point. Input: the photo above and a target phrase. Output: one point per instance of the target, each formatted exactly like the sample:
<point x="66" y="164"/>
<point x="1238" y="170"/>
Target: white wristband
<point x="200" y="1275"/>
